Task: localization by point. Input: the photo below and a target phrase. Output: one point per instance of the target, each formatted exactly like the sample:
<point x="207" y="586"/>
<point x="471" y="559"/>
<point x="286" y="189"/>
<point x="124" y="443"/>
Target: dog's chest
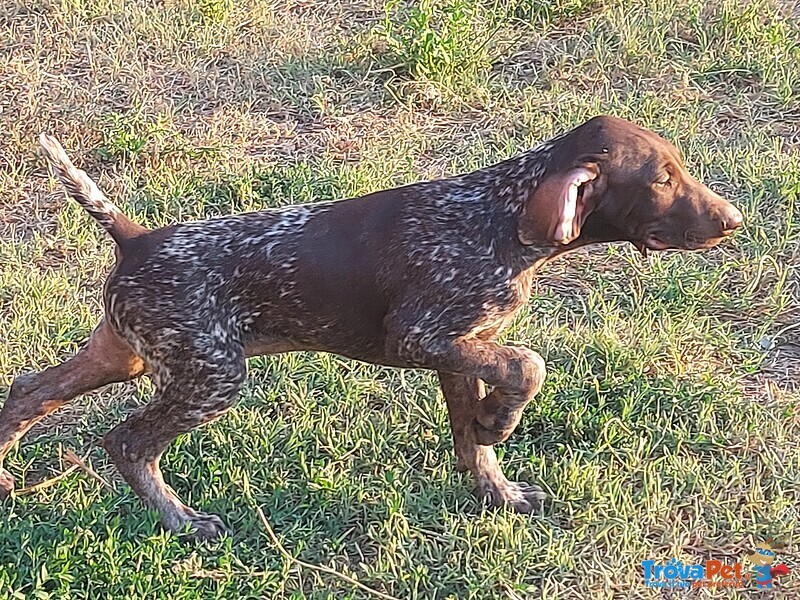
<point x="503" y="301"/>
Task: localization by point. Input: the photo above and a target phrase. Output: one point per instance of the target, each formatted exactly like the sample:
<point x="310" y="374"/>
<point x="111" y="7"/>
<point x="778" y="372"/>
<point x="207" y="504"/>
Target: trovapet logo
<point x="758" y="570"/>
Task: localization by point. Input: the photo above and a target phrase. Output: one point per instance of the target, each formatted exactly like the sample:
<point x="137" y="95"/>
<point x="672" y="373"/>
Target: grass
<point x="669" y="423"/>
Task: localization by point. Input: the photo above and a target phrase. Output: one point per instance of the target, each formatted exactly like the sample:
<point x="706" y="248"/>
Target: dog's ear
<point x="557" y="208"/>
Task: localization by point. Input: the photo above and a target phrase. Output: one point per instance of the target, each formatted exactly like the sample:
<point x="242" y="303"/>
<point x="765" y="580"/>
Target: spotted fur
<point x="425" y="275"/>
<point x="86" y="192"/>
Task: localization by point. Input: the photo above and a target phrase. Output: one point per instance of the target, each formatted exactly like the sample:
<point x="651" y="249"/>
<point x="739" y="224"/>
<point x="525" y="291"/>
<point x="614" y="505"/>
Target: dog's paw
<point x="6" y="484"/>
<point x="203" y="527"/>
<point x="520" y="497"/>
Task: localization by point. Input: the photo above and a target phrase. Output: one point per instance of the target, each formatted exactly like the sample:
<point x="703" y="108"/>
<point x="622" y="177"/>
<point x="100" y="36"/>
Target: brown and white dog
<point x="422" y="276"/>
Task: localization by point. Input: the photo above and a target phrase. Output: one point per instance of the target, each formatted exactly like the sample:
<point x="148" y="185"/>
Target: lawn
<point x="669" y="424"/>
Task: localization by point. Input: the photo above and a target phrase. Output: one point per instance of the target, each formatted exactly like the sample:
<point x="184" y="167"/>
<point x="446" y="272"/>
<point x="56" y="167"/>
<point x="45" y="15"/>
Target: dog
<point x="422" y="276"/>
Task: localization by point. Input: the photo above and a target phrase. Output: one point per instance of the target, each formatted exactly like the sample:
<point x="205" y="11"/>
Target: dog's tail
<point x="88" y="195"/>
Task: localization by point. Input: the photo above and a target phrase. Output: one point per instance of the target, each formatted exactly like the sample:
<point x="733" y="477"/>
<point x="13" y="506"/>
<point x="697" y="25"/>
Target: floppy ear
<point x="558" y="206"/>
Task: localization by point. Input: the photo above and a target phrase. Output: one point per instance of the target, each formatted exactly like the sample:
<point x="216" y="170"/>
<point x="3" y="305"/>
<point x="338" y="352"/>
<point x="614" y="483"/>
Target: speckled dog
<point x="424" y="276"/>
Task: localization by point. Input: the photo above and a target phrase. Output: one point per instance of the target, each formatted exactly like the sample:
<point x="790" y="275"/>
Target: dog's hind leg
<point x="105" y="358"/>
<point x="197" y="377"/>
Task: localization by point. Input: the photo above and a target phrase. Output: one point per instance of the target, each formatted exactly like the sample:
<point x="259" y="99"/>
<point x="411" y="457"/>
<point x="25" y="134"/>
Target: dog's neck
<point x="491" y="200"/>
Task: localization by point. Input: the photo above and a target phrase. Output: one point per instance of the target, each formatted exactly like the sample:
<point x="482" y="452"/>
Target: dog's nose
<point x="730" y="218"/>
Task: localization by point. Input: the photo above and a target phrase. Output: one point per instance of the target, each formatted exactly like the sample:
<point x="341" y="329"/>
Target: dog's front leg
<point x="463" y="396"/>
<point x="478" y="420"/>
<point x="515" y="373"/>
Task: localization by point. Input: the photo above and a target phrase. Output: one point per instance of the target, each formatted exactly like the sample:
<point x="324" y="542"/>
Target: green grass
<point x="665" y="427"/>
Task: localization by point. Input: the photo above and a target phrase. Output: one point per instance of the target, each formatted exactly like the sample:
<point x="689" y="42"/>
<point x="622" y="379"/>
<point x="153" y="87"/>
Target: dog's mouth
<point x="690" y="242"/>
<point x="653" y="242"/>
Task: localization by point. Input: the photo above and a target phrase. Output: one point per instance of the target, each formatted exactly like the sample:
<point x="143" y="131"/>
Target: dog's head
<point x="610" y="180"/>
